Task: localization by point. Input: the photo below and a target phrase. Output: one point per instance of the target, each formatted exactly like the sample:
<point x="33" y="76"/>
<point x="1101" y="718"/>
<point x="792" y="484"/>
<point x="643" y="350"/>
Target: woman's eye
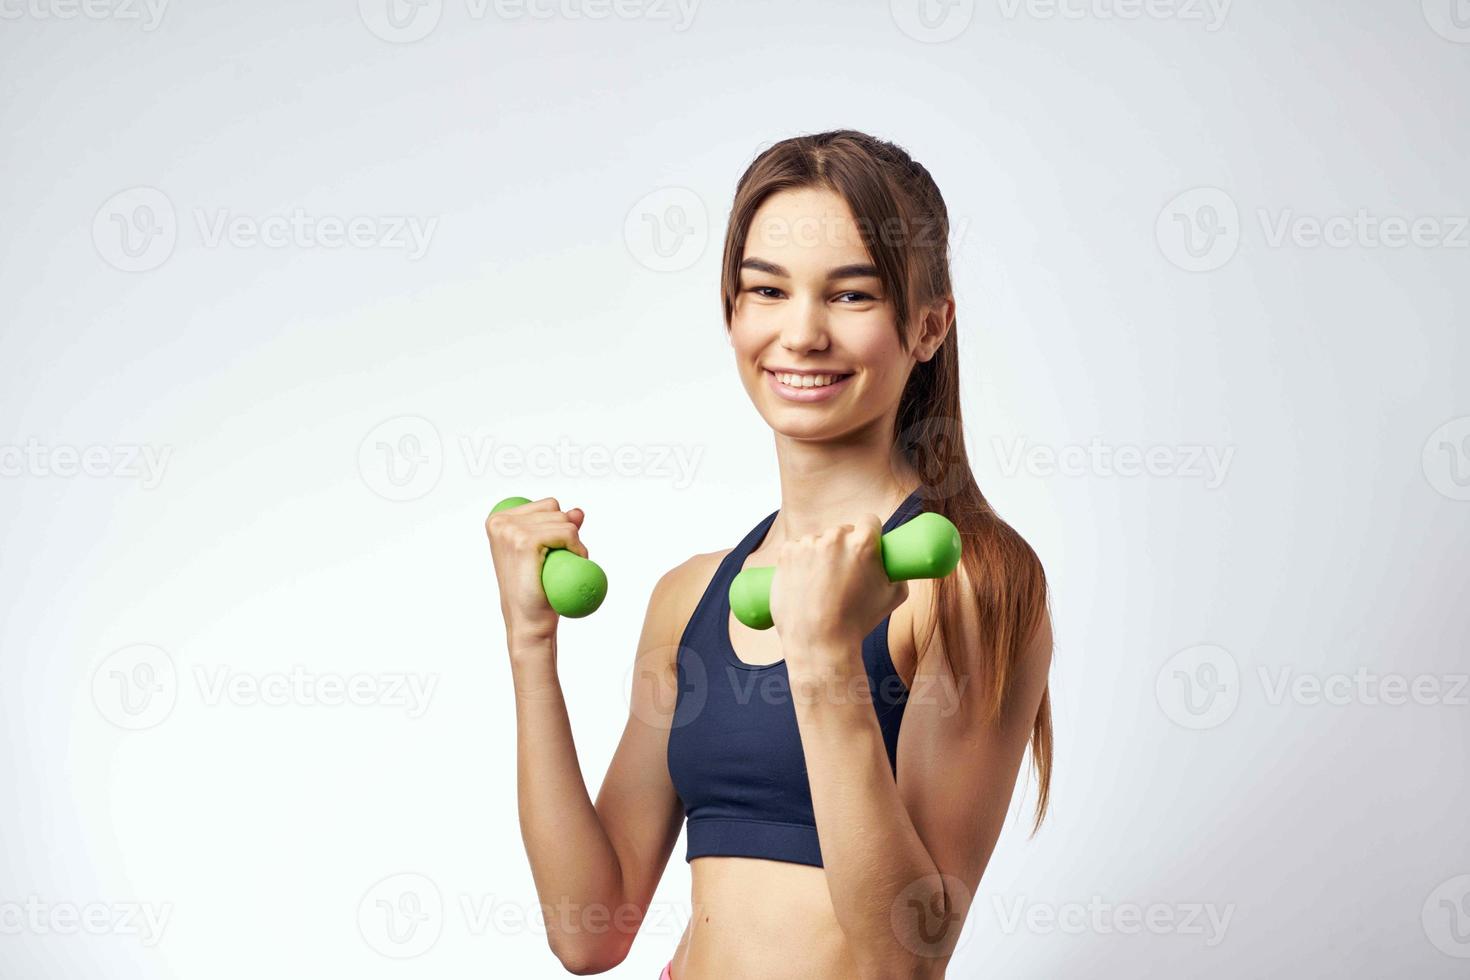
<point x="762" y="291"/>
<point x="853" y="292"/>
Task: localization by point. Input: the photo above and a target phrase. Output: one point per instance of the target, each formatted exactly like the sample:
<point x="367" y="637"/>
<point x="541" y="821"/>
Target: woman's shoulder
<point x="689" y="578"/>
<point x="678" y="590"/>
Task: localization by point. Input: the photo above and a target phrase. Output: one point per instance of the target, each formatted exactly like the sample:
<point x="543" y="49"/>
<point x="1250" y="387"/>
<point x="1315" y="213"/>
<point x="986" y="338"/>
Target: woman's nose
<point x="805" y="327"/>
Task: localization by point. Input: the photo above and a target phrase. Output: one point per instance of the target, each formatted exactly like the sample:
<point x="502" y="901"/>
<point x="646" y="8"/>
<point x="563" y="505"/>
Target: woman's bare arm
<point x="596" y="867"/>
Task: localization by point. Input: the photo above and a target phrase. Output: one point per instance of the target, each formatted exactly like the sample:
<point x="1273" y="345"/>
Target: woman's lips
<point x="806" y="394"/>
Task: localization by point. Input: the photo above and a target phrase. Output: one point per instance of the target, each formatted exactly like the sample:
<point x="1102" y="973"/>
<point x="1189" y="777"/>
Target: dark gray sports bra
<point x="735" y="754"/>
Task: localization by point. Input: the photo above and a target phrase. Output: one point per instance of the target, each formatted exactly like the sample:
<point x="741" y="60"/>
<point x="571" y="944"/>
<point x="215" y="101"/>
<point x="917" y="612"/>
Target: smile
<point x="806" y="387"/>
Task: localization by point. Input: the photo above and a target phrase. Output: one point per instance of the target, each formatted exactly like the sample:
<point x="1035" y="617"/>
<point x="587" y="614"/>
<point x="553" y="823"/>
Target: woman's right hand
<point x="520" y="537"/>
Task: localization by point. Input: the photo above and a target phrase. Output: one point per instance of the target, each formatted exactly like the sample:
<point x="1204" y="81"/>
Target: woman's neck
<point x="823" y="485"/>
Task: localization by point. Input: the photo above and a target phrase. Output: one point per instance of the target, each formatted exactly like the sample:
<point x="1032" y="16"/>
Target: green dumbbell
<point x="928" y="546"/>
<point x="575" y="586"/>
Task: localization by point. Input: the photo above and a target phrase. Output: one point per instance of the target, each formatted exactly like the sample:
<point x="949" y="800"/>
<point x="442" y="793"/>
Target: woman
<point x="845" y="774"/>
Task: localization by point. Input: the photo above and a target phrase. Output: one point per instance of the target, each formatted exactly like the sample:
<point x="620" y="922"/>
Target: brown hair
<point x="904" y="224"/>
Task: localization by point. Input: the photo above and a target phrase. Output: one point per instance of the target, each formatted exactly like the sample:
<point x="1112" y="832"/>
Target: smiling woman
<point x="844" y="776"/>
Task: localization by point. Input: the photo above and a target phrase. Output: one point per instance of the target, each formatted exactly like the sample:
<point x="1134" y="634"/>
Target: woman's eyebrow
<point x="858" y="270"/>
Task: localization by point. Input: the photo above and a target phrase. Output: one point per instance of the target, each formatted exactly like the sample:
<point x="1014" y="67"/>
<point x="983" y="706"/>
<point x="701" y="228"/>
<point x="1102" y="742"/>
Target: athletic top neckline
<point x="759" y="534"/>
<point x="735" y="754"/>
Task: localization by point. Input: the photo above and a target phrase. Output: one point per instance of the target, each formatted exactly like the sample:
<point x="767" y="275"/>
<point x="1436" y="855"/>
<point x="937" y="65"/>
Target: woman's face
<point x="810" y="303"/>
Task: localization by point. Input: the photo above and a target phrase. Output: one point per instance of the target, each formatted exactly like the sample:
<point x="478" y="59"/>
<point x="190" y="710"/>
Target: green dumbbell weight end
<point x="928" y="546"/>
<point x="575" y="586"/>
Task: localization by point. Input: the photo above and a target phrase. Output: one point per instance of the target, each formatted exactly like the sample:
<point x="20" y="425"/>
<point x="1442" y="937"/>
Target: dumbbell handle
<point x="927" y="546"/>
<point x="575" y="586"/>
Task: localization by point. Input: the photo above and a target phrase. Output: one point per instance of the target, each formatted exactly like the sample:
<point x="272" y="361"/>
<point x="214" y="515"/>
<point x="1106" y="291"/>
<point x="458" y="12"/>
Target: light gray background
<point x="1120" y="176"/>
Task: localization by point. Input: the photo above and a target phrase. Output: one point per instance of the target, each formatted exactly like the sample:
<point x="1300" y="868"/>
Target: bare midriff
<point x="751" y="917"/>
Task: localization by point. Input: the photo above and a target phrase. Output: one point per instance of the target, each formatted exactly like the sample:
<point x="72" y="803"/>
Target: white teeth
<point x="805" y="380"/>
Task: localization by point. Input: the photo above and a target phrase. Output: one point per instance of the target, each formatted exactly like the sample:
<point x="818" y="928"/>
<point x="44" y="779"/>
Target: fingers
<point x="538" y="525"/>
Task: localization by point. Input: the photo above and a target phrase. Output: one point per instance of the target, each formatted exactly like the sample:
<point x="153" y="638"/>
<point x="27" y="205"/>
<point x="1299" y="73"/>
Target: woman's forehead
<point x="807" y="227"/>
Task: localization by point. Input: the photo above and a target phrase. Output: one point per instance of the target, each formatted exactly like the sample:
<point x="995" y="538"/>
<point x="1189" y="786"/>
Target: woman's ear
<point x="935" y="321"/>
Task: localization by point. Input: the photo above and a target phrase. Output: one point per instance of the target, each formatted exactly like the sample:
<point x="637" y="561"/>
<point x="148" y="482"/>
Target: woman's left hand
<point x="830" y="590"/>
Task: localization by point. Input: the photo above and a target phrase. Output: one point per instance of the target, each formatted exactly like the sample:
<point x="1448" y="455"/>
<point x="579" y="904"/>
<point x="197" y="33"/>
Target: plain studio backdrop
<point x="291" y="294"/>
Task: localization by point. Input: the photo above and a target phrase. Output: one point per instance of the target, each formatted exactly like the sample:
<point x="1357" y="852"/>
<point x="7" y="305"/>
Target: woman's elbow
<point x="585" y="959"/>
